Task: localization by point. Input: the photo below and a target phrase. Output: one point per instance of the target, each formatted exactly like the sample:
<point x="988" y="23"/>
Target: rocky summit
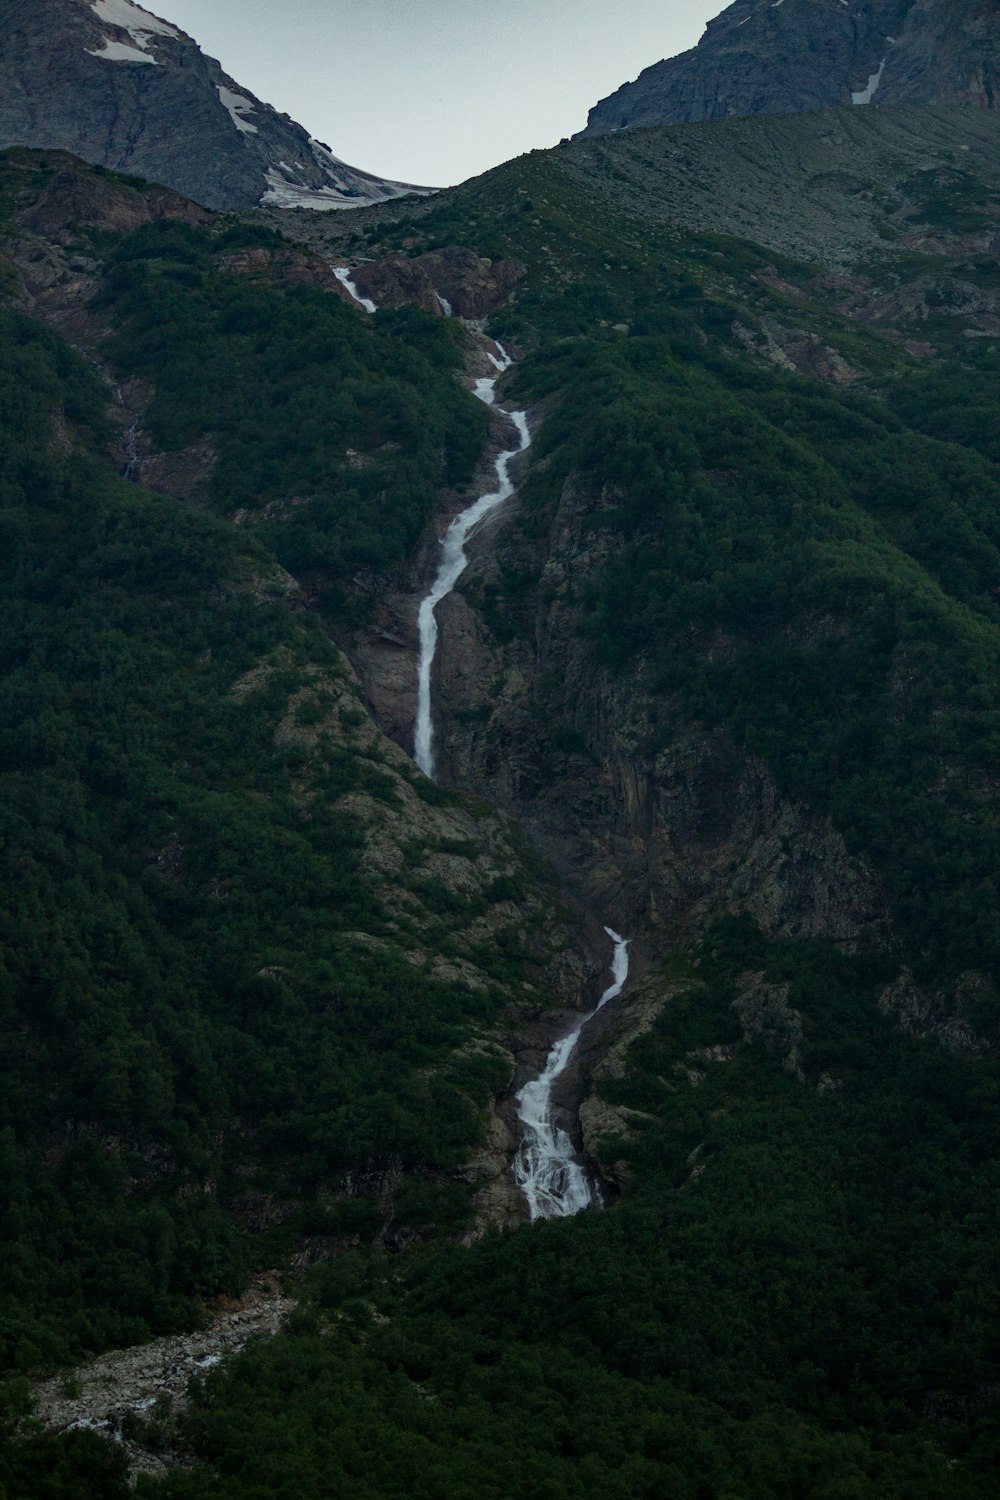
<point x="115" y="85"/>
<point x="785" y="56"/>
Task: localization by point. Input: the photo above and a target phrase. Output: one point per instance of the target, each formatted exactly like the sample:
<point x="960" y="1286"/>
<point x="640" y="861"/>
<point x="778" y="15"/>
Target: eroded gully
<point x="548" y="1172"/>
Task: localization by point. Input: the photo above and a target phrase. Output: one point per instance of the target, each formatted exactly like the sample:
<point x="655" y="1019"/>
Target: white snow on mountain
<point x="132" y="18"/>
<point x="866" y="95"/>
<point x="121" y="52"/>
<point x="239" y="108"/>
<point x="139" y="24"/>
<point x="356" y="190"/>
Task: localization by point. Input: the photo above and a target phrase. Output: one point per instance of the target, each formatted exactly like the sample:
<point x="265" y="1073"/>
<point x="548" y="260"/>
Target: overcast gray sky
<point x="434" y="91"/>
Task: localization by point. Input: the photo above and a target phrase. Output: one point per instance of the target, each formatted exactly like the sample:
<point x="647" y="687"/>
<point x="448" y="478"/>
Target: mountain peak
<point x="121" y="88"/>
<point x="785" y="56"/>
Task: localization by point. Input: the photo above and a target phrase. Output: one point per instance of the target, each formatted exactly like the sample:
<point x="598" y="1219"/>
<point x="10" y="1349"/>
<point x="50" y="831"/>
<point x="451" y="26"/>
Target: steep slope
<point x="621" y="237"/>
<point x="729" y="659"/>
<point x="759" y="57"/>
<point x="258" y="972"/>
<point x="110" y="82"/>
<point x="835" y="187"/>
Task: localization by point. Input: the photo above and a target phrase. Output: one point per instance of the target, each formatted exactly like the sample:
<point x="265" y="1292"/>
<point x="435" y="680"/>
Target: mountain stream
<point x="546" y="1169"/>
<point x="454" y="562"/>
<point x="343" y="275"/>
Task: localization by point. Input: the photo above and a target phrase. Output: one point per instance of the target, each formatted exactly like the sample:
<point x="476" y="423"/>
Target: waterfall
<point x="546" y="1168"/>
<point x="343" y="275"/>
<point x="131" y="469"/>
<point x="454" y="561"/>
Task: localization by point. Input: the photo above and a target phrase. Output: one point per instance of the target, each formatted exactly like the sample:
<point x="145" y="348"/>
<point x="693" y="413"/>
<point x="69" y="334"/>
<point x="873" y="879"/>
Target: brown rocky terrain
<point x="470" y="284"/>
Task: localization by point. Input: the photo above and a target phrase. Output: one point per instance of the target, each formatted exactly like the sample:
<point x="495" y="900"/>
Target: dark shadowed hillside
<point x="721" y="676"/>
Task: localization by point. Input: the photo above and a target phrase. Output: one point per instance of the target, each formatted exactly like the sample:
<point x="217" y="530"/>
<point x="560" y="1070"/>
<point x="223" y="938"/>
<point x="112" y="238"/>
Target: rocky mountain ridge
<point x="113" y="84"/>
<point x="762" y="57"/>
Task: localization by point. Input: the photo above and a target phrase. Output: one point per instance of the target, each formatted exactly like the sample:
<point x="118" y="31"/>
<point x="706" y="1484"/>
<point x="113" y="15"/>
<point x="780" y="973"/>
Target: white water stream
<point x="546" y="1168"/>
<point x="454" y="563"/>
<point x="343" y="275"/>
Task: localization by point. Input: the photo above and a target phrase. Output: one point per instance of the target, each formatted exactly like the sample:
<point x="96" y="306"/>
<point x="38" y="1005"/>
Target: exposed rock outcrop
<point x="120" y="1391"/>
<point x="828" y="188"/>
<point x="469" y="284"/>
<point x="954" y="1017"/>
<point x="110" y="82"/>
<point x="759" y="57"/>
<point x="666" y="841"/>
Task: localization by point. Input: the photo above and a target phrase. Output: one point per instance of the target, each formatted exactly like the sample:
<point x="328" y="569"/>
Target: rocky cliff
<point x="759" y="57"/>
<point x="118" y="87"/>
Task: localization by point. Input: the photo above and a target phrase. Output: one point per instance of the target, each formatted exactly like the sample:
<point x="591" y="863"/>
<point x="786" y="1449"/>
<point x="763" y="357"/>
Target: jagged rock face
<point x="946" y="55"/>
<point x="762" y="57"/>
<point x="663" y="843"/>
<point x="470" y="285"/>
<point x="111" y="83"/>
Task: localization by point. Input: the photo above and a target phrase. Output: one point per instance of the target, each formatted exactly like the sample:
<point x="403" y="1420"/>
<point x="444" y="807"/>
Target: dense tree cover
<point x="796" y="1294"/>
<point x="741" y="1326"/>
<point x="334" y="435"/>
<point x="800" y="565"/>
<point x="199" y="986"/>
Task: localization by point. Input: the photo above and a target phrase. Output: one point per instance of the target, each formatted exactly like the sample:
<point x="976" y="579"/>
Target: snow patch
<point x="356" y="190"/>
<point x="129" y="17"/>
<point x="120" y="52"/>
<point x="866" y="95"/>
<point x="323" y="154"/>
<point x="284" y="194"/>
<point x="238" y="107"/>
<point x="139" y="24"/>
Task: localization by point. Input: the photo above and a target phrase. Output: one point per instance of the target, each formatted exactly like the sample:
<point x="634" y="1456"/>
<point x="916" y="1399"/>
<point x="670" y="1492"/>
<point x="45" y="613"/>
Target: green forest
<point x="199" y="982"/>
<point x="230" y="966"/>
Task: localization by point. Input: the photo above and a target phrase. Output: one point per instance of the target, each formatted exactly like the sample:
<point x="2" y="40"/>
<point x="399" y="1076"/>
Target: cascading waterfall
<point x="454" y="562"/>
<point x="453" y="557"/>
<point x="343" y="275"/>
<point x="546" y="1168"/>
<point x="131" y="469"/>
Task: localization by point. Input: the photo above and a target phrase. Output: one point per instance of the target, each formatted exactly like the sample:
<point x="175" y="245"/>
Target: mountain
<point x="118" y="87"/>
<point x="759" y="57"/>
<point x="721" y="677"/>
